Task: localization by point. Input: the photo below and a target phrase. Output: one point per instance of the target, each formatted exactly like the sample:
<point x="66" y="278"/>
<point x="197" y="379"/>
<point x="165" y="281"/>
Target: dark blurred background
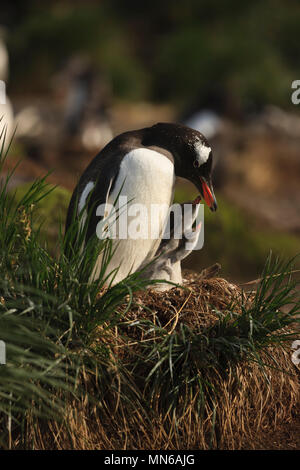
<point x="79" y="72"/>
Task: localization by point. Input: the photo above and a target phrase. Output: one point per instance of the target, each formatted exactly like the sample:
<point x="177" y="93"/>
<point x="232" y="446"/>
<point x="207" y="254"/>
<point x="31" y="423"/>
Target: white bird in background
<point x="30" y="122"/>
<point x="86" y="101"/>
<point x="6" y="110"/>
<point x="205" y="121"/>
<point x="3" y="58"/>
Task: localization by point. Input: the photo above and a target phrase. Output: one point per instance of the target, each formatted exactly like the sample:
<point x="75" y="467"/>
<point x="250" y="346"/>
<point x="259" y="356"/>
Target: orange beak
<point x="209" y="196"/>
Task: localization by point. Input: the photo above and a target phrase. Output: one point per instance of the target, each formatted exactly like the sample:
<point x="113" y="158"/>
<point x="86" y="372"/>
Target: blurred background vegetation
<point x="82" y="71"/>
<point x="169" y="50"/>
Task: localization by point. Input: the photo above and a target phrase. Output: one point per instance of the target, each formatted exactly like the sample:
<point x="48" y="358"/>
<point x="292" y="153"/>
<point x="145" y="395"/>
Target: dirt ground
<point x="286" y="436"/>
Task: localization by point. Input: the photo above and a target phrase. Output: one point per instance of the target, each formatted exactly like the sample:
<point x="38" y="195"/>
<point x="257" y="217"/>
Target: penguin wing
<point x="93" y="189"/>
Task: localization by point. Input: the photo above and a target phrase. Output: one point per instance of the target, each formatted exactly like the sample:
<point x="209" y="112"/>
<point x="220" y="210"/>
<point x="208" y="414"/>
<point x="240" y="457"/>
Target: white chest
<point x="146" y="181"/>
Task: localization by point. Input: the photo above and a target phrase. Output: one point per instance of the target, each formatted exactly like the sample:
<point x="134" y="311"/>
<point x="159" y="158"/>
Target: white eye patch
<point x="202" y="152"/>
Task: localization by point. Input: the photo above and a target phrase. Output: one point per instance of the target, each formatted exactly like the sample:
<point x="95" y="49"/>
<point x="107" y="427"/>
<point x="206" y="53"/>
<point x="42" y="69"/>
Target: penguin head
<point x="192" y="155"/>
<point x="197" y="168"/>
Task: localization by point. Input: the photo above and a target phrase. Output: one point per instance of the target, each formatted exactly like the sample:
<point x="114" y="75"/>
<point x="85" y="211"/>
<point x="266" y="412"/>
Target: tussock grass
<point x="205" y="402"/>
<point x="91" y="366"/>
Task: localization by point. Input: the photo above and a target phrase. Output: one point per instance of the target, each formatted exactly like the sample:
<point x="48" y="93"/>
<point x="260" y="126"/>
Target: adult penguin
<point x="141" y="165"/>
<point x="7" y="123"/>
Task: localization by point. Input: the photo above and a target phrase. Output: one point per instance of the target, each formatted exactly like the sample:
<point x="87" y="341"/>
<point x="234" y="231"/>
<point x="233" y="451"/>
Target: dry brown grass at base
<point x="248" y="413"/>
<point x="251" y="402"/>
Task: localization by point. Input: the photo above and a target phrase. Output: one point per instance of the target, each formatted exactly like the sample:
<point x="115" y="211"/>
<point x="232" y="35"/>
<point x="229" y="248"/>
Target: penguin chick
<point x="167" y="261"/>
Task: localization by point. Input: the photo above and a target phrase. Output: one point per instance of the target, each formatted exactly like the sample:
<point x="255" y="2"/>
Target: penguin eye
<point x="196" y="163"/>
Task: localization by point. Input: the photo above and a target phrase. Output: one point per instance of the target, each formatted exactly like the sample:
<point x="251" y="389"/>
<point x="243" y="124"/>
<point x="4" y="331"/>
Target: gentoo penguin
<point x="166" y="264"/>
<point x="142" y="165"/>
<point x="4" y="59"/>
<point x="6" y="109"/>
<point x="86" y="116"/>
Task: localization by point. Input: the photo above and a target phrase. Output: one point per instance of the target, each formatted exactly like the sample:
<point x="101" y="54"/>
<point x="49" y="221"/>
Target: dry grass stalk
<point x="250" y="400"/>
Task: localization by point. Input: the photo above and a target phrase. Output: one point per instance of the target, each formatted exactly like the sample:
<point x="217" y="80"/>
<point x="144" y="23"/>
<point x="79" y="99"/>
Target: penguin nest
<point x="196" y="304"/>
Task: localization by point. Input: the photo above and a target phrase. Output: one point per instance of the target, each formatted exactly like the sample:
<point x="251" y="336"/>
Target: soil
<point x="286" y="436"/>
